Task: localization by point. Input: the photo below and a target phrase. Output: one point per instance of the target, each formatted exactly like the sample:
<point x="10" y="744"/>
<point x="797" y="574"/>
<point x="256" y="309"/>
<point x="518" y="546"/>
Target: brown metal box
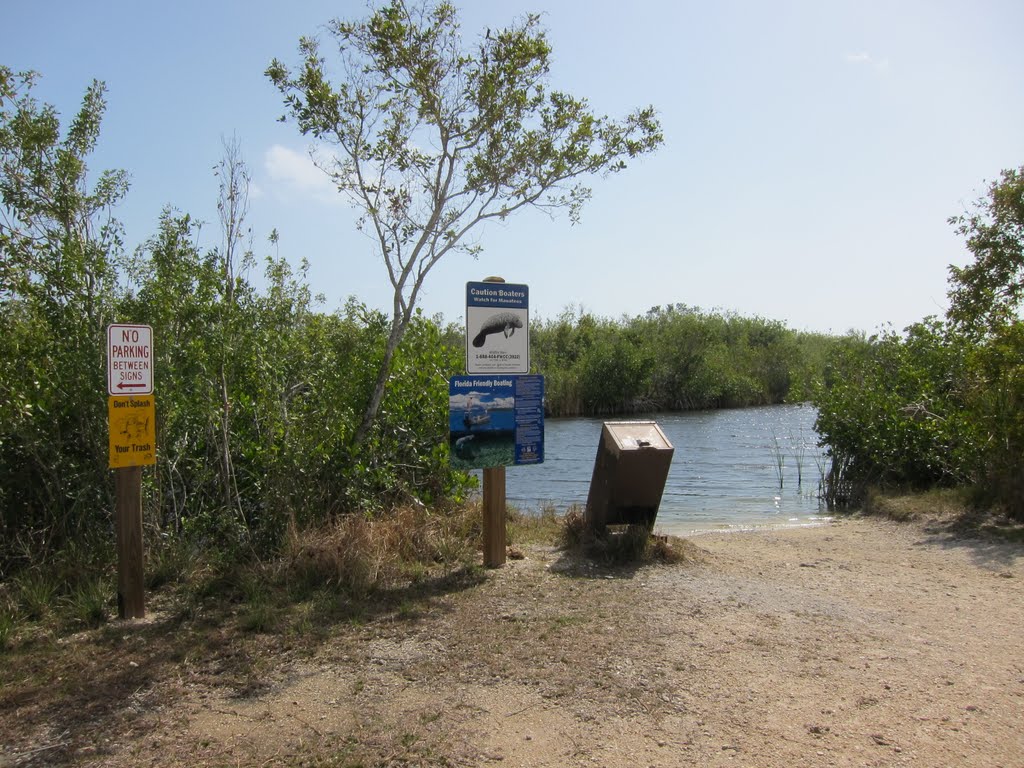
<point x="633" y="459"/>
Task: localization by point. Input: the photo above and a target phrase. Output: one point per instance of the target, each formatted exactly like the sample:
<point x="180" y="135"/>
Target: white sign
<point x="129" y="360"/>
<point x="497" y="328"/>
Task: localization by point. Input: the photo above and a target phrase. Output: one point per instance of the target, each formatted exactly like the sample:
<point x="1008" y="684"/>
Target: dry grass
<point x="359" y="554"/>
<point x="542" y="528"/>
<point x="621" y="545"/>
<point x="905" y="507"/>
<point x="333" y="571"/>
<point x="951" y="510"/>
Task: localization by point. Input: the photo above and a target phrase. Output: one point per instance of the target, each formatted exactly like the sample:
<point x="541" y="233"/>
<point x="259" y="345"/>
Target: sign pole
<point x="495" y="533"/>
<point x="131" y="421"/>
<point x="131" y="594"/>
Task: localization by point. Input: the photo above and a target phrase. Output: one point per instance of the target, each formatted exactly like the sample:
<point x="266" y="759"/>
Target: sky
<point x="814" y="150"/>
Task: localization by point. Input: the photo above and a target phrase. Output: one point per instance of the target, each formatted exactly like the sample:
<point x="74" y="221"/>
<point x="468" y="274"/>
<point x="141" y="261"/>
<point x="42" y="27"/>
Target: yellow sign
<point x="132" y="422"/>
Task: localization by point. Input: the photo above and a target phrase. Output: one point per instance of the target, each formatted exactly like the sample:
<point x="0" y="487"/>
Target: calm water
<point x="724" y="472"/>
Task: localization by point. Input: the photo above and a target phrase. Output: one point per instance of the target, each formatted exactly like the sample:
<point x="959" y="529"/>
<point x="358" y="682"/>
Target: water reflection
<point x="725" y="472"/>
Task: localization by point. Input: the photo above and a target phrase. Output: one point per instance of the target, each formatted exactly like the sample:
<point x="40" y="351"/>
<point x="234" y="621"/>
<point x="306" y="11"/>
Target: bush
<point x="890" y="411"/>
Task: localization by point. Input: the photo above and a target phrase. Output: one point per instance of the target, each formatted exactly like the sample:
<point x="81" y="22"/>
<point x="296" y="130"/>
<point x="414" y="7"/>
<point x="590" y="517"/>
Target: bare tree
<point x="232" y="207"/>
<point x="430" y="138"/>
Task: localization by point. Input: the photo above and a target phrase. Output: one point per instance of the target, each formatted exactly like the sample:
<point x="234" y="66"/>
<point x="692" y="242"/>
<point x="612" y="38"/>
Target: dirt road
<point x="863" y="643"/>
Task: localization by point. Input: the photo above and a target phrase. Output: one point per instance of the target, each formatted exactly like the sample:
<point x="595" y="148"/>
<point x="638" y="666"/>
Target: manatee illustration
<point x="465" y="448"/>
<point x="505" y="322"/>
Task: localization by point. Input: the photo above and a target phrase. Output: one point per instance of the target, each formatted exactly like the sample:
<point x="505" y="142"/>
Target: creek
<point x="731" y="469"/>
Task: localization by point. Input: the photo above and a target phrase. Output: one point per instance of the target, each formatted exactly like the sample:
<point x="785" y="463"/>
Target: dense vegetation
<point x="260" y="393"/>
<point x="257" y="392"/>
<point x="672" y="358"/>
<point x="941" y="404"/>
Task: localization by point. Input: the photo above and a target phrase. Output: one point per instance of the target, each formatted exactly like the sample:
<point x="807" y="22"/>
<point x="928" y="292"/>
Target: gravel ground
<point x="860" y="643"/>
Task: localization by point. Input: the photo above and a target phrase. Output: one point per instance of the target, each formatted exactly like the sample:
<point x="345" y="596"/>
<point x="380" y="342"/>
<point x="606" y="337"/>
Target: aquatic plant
<point x="778" y="457"/>
<point x="799" y="451"/>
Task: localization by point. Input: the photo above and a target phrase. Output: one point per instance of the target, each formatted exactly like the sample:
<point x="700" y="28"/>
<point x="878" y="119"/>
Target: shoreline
<point x="683" y="531"/>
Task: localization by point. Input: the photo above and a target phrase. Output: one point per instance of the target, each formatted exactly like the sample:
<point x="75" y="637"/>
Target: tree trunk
<point x="398" y="326"/>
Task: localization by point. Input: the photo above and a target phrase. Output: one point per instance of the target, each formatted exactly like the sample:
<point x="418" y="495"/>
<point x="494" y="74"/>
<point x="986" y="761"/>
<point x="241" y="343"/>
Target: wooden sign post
<point x="495" y="533"/>
<point x="131" y="592"/>
<point x="131" y="418"/>
<point x="132" y="444"/>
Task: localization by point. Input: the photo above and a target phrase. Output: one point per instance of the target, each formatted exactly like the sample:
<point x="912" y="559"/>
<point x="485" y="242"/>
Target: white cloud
<point x="294" y="173"/>
<point x="863" y="58"/>
<point x="461" y="401"/>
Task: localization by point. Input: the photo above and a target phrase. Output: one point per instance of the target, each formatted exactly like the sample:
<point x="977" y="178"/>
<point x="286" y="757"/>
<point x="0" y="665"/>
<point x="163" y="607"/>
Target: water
<point x="724" y="472"/>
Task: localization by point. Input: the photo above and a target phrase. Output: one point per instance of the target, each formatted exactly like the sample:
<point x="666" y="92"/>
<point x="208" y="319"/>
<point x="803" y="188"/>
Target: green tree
<point x="432" y="138"/>
<point x="985" y="303"/>
<point x="58" y="246"/>
<point x="891" y="409"/>
<point x="56" y="233"/>
<point x="944" y="402"/>
<point x="986" y="294"/>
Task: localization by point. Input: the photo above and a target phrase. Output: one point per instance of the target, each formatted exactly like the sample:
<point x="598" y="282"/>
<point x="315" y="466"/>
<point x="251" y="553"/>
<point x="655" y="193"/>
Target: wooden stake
<point x="495" y="535"/>
<point x="495" y="538"/>
<point x="131" y="593"/>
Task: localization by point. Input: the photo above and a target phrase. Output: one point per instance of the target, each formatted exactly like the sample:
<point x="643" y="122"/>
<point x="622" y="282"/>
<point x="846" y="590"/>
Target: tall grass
<point x="87" y="604"/>
<point x="8" y="626"/>
<point x="37" y="591"/>
<point x="68" y="597"/>
<point x="823" y="464"/>
<point x="359" y="554"/>
<point x="799" y="454"/>
<point x="543" y="528"/>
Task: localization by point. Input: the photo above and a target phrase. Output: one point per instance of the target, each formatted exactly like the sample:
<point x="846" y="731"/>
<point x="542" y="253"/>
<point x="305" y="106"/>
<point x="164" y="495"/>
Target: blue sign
<point x="500" y="295"/>
<point x="495" y="421"/>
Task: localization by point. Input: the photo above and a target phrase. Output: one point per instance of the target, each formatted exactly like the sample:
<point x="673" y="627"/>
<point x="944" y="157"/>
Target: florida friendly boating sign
<point x="497" y="328"/>
<point x="496" y="421"/>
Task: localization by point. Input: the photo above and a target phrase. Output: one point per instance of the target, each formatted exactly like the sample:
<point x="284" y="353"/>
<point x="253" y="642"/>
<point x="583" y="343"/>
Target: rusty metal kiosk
<point x="633" y="459"/>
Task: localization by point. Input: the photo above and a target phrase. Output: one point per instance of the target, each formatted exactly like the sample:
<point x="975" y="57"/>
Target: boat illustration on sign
<point x="475" y="415"/>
